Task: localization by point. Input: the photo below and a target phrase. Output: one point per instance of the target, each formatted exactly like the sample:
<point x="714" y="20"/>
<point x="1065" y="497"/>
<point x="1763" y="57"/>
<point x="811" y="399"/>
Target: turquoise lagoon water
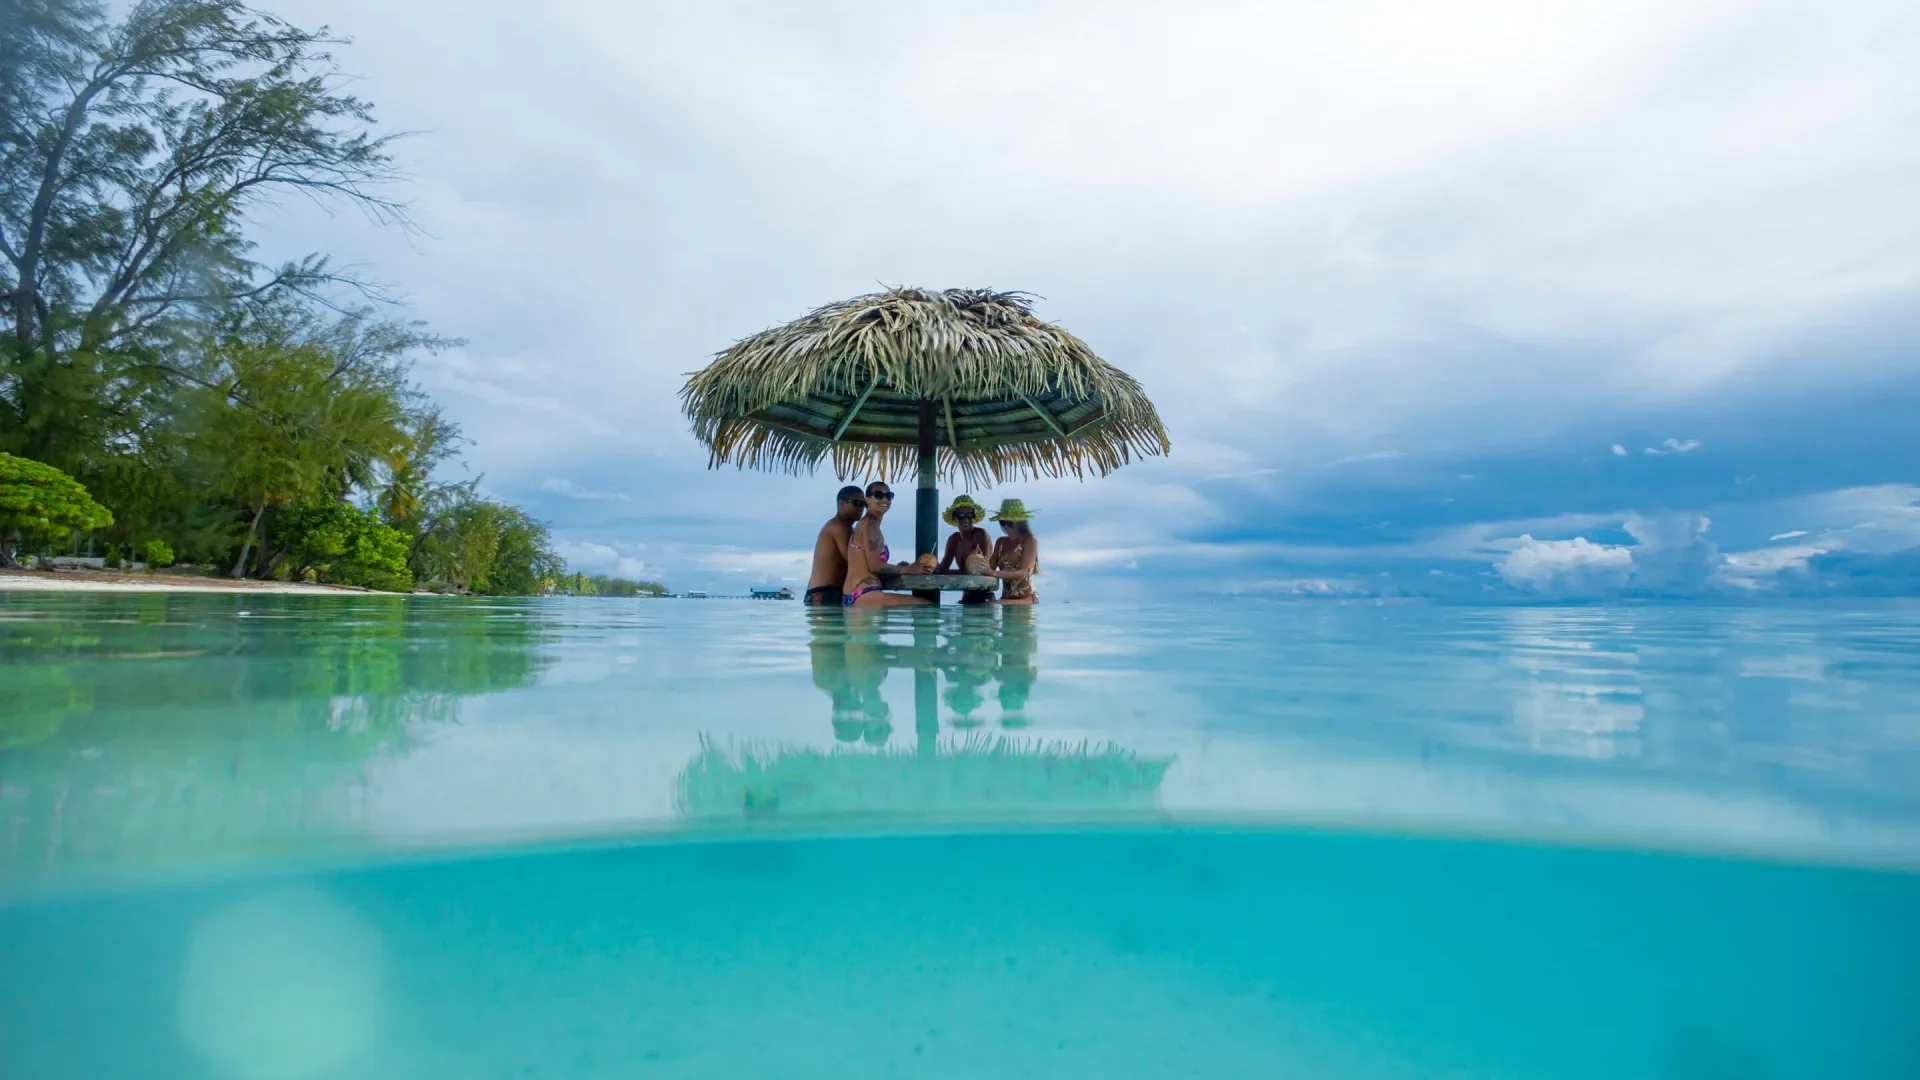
<point x="254" y="837"/>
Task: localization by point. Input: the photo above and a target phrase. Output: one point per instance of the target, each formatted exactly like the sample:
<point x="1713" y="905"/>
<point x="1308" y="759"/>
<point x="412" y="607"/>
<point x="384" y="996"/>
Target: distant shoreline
<point x="108" y="581"/>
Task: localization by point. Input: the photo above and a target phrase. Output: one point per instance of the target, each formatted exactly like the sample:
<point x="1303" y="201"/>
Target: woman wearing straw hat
<point x="968" y="548"/>
<point x="1016" y="556"/>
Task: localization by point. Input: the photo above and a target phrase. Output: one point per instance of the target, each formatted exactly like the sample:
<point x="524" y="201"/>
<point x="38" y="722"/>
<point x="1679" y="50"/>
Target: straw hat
<point x="1013" y="510"/>
<point x="963" y="502"/>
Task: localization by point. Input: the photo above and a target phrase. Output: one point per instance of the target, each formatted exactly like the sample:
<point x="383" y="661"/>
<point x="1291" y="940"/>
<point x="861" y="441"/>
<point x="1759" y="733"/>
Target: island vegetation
<point x="259" y="419"/>
<point x="578" y="584"/>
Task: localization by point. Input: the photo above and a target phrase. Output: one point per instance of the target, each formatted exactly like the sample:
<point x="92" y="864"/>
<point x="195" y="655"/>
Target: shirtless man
<point x="867" y="556"/>
<point x="830" y="548"/>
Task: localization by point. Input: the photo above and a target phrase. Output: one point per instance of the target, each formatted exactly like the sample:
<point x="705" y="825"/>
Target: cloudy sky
<point x="1496" y="300"/>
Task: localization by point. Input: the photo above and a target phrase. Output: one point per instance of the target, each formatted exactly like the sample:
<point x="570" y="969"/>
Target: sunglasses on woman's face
<point x="884" y="496"/>
<point x="963" y="517"/>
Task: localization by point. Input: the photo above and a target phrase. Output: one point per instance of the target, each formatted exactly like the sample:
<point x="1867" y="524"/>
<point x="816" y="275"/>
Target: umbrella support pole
<point x="926" y="691"/>
<point x="926" y="508"/>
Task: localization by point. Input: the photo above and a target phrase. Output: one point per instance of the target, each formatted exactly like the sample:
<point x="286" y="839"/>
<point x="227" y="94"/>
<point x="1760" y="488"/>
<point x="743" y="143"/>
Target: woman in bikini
<point x="1016" y="555"/>
<point x="867" y="557"/>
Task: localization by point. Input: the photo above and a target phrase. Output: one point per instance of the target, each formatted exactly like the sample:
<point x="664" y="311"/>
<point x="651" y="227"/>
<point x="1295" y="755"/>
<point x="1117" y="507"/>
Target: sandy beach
<point x="97" y="581"/>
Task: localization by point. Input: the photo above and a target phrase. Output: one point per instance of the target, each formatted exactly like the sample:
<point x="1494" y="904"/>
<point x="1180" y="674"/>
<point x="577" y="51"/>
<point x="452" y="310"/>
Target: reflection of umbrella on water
<point x="970" y="773"/>
<point x="966" y="382"/>
<point x="851" y="660"/>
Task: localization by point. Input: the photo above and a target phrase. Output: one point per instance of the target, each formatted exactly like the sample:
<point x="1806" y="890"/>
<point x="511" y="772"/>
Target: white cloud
<point x="1249" y="474"/>
<point x="1387" y="261"/>
<point x="512" y="386"/>
<point x="1671" y="553"/>
<point x="1377" y="455"/>
<point x="561" y="486"/>
<point x="1303" y="587"/>
<point x="1754" y="570"/>
<point x="1864" y="522"/>
<point x="761" y="566"/>
<point x="1576" y="565"/>
<point x="587" y="556"/>
<point x="1875" y="520"/>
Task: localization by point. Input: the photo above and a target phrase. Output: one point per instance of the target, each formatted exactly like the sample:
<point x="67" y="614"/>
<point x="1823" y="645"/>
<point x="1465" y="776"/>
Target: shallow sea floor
<point x="298" y="837"/>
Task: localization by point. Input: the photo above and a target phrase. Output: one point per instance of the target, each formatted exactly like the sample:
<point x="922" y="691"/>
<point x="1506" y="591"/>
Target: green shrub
<point x="37" y="498"/>
<point x="159" y="555"/>
<point x="337" y="543"/>
<point x="113" y="560"/>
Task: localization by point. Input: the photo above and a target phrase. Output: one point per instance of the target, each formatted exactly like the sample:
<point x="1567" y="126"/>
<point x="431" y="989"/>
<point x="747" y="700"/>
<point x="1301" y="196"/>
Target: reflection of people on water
<point x="828" y="651"/>
<point x="867" y="666"/>
<point x="963" y="770"/>
<point x="968" y="662"/>
<point x="830" y="548"/>
<point x="1016" y="645"/>
<point x="971" y="651"/>
<point x="1016" y="555"/>
<point x="850" y="674"/>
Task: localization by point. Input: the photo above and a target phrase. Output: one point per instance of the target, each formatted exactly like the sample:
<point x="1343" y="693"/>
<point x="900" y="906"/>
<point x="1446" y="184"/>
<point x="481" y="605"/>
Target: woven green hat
<point x="1013" y="510"/>
<point x="964" y="502"/>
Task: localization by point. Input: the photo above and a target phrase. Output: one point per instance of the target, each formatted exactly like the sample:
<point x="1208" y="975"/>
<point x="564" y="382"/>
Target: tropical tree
<point x="478" y="545"/>
<point x="296" y="414"/>
<point x="221" y="405"/>
<point x="409" y="492"/>
<point x="525" y="558"/>
<point x="36" y="497"/>
<point x="130" y="155"/>
<point x="580" y="584"/>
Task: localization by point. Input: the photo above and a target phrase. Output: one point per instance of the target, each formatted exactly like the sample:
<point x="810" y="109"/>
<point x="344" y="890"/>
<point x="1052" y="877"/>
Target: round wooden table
<point x="938" y="583"/>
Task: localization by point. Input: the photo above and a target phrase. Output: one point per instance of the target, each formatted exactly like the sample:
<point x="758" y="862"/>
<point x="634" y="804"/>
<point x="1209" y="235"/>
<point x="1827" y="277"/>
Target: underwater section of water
<point x="1109" y="953"/>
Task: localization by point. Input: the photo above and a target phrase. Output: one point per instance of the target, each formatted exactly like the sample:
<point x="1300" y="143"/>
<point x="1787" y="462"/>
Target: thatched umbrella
<point x="965" y="383"/>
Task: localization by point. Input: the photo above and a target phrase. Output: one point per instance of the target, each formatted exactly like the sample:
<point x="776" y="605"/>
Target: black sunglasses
<point x="858" y="502"/>
<point x="887" y="495"/>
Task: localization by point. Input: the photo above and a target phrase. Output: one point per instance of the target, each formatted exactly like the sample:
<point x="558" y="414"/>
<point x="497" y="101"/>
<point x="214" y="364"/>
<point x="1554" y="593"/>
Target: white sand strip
<point x="44" y="581"/>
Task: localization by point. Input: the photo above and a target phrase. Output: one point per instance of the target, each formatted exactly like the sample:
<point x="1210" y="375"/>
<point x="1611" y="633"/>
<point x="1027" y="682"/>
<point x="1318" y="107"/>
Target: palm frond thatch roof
<point x="1012" y="395"/>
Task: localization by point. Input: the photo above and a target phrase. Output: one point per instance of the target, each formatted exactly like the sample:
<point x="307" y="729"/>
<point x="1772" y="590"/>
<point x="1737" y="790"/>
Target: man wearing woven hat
<point x="967" y="549"/>
<point x="1016" y="556"/>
